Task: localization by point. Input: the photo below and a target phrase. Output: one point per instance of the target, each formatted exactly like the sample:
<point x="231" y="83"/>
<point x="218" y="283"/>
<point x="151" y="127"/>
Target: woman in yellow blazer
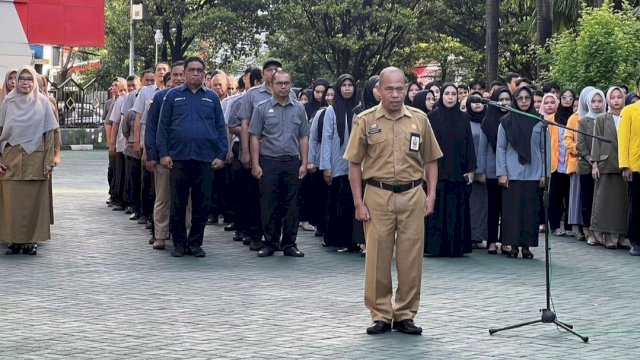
<point x="629" y="162"/>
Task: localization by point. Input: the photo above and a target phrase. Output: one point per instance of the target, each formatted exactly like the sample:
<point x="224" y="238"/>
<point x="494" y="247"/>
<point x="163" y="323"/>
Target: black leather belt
<point x="394" y="188"/>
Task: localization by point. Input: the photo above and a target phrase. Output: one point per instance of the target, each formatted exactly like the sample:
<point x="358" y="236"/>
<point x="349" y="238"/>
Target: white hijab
<point x="24" y="118"/>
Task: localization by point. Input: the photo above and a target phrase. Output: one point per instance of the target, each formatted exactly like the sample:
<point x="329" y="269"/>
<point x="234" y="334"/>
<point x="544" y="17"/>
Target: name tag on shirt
<point x="374" y="129"/>
<point x="414" y="144"/>
<point x="209" y="100"/>
<point x="179" y="99"/>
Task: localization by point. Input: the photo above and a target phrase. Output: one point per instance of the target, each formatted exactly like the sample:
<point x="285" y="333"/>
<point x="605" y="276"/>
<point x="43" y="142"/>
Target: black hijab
<point x="314" y="105"/>
<point x="629" y="98"/>
<point x="343" y="108"/>
<point x="519" y="128"/>
<point x="406" y="98"/>
<point x="491" y="120"/>
<point x="420" y="101"/>
<point x="475" y="117"/>
<point x="368" y="100"/>
<point x="564" y="113"/>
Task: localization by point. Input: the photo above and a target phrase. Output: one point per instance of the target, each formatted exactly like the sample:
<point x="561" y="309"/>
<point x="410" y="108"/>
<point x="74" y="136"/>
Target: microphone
<point x="478" y="99"/>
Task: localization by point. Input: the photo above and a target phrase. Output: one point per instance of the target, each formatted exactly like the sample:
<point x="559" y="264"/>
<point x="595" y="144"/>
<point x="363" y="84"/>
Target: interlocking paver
<point x="98" y="291"/>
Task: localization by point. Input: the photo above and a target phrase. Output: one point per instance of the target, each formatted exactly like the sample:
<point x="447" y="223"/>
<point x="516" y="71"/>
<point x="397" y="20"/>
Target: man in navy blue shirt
<point x="191" y="140"/>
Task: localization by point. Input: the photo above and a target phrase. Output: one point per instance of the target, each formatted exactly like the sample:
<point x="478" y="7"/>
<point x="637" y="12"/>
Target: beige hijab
<point x="4" y="92"/>
<point x="24" y="118"/>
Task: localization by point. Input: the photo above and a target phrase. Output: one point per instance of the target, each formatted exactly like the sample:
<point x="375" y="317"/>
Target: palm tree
<point x="544" y="20"/>
<point x="492" y="8"/>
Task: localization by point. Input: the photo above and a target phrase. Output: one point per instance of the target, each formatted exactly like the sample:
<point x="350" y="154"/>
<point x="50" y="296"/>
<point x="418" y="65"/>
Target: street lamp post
<point x="158" y="38"/>
<point x="131" y="40"/>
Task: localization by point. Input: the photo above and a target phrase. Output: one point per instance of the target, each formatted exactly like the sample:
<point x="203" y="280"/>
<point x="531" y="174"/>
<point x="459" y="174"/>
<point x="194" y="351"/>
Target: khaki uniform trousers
<point x="162" y="205"/>
<point x="397" y="220"/>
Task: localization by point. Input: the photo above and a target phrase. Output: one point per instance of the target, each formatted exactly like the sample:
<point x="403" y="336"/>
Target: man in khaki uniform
<point x="392" y="147"/>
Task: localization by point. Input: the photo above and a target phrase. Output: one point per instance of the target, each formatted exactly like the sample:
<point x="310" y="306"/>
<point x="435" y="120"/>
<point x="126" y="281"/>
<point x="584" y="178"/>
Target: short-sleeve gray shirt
<point x="279" y="128"/>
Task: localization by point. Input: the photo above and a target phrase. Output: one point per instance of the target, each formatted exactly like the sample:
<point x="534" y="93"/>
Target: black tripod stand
<point x="548" y="316"/>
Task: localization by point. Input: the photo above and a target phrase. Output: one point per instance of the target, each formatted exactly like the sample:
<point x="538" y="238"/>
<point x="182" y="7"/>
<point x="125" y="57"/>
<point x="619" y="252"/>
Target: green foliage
<point x="601" y="51"/>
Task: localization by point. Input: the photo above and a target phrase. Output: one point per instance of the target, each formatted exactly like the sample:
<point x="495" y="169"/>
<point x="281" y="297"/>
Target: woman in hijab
<point x="304" y="96"/>
<point x="487" y="167"/>
<point x="448" y="229"/>
<point x="631" y="98"/>
<point x="412" y="90"/>
<point x="551" y="108"/>
<point x="320" y="189"/>
<point x="520" y="170"/>
<point x="610" y="199"/>
<point x="594" y="101"/>
<point x="424" y="101"/>
<point x="316" y="101"/>
<point x="435" y="87"/>
<point x="338" y="120"/>
<point x="27" y="126"/>
<point x="478" y="198"/>
<point x="370" y="98"/>
<point x="8" y="84"/>
<point x="571" y="143"/>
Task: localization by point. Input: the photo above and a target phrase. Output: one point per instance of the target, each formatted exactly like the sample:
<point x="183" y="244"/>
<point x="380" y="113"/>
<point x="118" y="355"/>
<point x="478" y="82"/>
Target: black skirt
<point x="341" y="213"/>
<point x="520" y="213"/>
<point x="448" y="229"/>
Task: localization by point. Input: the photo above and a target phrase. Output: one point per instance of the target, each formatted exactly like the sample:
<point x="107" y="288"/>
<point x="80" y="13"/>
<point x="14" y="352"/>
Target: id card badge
<point x="414" y="144"/>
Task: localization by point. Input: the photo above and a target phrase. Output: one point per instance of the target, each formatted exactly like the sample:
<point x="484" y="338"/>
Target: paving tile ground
<point x="98" y="291"/>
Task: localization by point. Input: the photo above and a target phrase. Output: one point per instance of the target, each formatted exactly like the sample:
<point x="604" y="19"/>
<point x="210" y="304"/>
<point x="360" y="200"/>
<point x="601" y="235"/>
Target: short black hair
<point x="482" y="84"/>
<point x="248" y="70"/>
<point x="279" y="72"/>
<point x="241" y="83"/>
<point x="191" y="59"/>
<point x="215" y="72"/>
<point x="270" y="62"/>
<point x="177" y="63"/>
<point x="463" y="86"/>
<point x="159" y="63"/>
<point x="166" y="77"/>
<point x="145" y="72"/>
<point x="497" y="83"/>
<point x="209" y="73"/>
<point x="538" y="93"/>
<point x="437" y="83"/>
<point x="524" y="80"/>
<point x="255" y="77"/>
<point x="510" y="76"/>
<point x="132" y="77"/>
<point x="548" y="86"/>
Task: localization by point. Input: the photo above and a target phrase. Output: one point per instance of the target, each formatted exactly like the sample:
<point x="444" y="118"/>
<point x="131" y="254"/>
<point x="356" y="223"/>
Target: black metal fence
<point x="80" y="106"/>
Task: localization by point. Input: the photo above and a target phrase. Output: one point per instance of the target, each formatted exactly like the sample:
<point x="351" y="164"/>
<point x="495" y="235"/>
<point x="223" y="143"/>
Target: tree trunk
<point x="544" y="20"/>
<point x="491" y="47"/>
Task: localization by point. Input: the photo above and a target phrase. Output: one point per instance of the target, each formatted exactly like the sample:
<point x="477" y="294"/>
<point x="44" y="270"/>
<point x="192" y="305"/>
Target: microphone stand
<point x="548" y="316"/>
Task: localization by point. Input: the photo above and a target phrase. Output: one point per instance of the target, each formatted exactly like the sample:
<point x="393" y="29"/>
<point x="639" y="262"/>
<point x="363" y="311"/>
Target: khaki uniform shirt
<point x="392" y="150"/>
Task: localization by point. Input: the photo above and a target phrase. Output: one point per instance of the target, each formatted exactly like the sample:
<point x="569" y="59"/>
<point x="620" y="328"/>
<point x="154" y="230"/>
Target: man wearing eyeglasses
<point x="279" y="146"/>
<point x="191" y="140"/>
<point x="249" y="203"/>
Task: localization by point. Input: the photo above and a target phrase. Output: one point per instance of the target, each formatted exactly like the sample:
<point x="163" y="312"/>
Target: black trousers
<point x="120" y="179"/>
<point x="279" y="188"/>
<point x="341" y="212"/>
<point x="559" y="189"/>
<point x="147" y="192"/>
<point x="634" y="209"/>
<point x="111" y="176"/>
<point x="134" y="183"/>
<point x="232" y="186"/>
<point x="586" y="197"/>
<point x="494" y="197"/>
<point x="189" y="177"/>
<point x="219" y="189"/>
<point x="319" y="200"/>
<point x="248" y="219"/>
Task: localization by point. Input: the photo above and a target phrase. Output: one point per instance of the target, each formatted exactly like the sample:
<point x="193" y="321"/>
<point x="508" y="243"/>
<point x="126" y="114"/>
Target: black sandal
<point x="30" y="249"/>
<point x="527" y="254"/>
<point x="513" y="253"/>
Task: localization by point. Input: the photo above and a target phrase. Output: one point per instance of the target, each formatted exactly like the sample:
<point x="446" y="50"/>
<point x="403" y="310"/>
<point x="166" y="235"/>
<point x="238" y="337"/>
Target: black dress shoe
<point x="237" y="236"/>
<point x="379" y="327"/>
<point x="134" y="217"/>
<point x="230" y="227"/>
<point x="118" y="208"/>
<point x="255" y="245"/>
<point x="292" y="251"/>
<point x="149" y="226"/>
<point x="142" y="220"/>
<point x="128" y="210"/>
<point x="178" y="251"/>
<point x="30" y="249"/>
<point x="246" y="240"/>
<point x="266" y="252"/>
<point x="14" y="249"/>
<point x="197" y="251"/>
<point x="152" y="240"/>
<point x="407" y="326"/>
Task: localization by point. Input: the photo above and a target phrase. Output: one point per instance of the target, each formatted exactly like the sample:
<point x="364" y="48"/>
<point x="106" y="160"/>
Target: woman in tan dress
<point x="27" y="126"/>
<point x="8" y="84"/>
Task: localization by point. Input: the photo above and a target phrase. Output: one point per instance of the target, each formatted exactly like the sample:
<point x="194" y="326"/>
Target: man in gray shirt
<point x="279" y="133"/>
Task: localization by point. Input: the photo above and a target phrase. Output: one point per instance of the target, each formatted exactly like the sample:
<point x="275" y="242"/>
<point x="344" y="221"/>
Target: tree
<point x="333" y="37"/>
<point x="601" y="51"/>
<point x="491" y="49"/>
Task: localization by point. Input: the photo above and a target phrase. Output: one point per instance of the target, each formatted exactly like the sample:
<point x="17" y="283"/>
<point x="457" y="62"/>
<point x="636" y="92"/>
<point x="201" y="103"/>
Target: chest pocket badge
<point x="414" y="143"/>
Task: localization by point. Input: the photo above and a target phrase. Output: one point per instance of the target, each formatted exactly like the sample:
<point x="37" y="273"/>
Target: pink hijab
<point x="553" y="111"/>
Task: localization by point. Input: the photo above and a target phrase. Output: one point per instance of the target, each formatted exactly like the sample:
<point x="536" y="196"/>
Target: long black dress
<point x="448" y="229"/>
